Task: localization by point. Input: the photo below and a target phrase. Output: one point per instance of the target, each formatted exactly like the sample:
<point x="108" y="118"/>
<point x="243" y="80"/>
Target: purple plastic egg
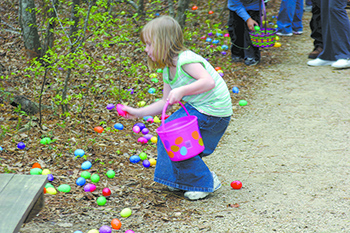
<point x="148" y="136"/>
<point x="131" y="91"/>
<point x="87" y="188"/>
<point x="105" y="229"/>
<point x="145" y="131"/>
<point x="146" y="163"/>
<point x="141" y="125"/>
<point x="50" y="177"/>
<point x="221" y="74"/>
<point x="110" y="106"/>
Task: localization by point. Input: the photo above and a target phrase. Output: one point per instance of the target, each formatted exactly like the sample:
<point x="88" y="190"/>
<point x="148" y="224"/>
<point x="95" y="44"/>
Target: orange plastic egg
<point x="98" y="129"/>
<point x="194" y="8"/>
<point x="211" y="12"/>
<point x="217" y="68"/>
<point x="36" y="165"/>
<point x="116" y="224"/>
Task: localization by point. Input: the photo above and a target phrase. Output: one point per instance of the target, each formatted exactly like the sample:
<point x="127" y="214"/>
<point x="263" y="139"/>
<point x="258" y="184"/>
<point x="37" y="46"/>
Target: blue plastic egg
<point x="146" y="163"/>
<point x="78" y="232"/>
<point x="21" y="145"/>
<point x="145" y="118"/>
<point x="0" y="148"/>
<point x="224" y="47"/>
<point x="79" y="152"/>
<point x="156" y="14"/>
<point x="80" y="181"/>
<point x="235" y="90"/>
<point x="135" y="159"/>
<point x="218" y="34"/>
<point x="50" y="177"/>
<point x="152" y="90"/>
<point x="215" y="41"/>
<point x="223" y="53"/>
<point x="118" y="126"/>
<point x="86" y="165"/>
<point x="208" y="39"/>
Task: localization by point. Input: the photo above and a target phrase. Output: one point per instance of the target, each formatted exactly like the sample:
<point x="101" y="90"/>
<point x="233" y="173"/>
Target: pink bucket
<point x="181" y="137"/>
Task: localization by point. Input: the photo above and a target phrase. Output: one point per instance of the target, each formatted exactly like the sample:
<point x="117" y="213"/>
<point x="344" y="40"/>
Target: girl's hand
<point x="175" y="95"/>
<point x="251" y="23"/>
<point x="132" y="113"/>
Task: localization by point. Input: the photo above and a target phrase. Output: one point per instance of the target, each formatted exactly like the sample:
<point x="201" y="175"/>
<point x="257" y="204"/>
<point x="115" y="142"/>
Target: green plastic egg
<point x="101" y="200"/>
<point x="143" y="156"/>
<point x="65" y="188"/>
<point x="49" y="185"/>
<point x="95" y="178"/>
<point x="110" y="174"/>
<point x="36" y="171"/>
<point x="242" y="102"/>
<point x="85" y="174"/>
<point x="125" y="212"/>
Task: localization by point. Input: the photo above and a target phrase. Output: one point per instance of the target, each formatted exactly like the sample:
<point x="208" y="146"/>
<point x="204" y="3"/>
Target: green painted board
<point x="17" y="197"/>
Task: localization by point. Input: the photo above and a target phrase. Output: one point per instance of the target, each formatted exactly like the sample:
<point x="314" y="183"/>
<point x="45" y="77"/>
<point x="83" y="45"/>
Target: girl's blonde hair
<point x="166" y="37"/>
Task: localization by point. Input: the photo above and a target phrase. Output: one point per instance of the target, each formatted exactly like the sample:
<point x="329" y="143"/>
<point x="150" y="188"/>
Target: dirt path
<point x="290" y="148"/>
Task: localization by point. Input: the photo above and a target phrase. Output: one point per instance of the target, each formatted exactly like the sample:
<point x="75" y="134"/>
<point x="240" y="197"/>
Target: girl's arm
<point x="203" y="84"/>
<point x="151" y="110"/>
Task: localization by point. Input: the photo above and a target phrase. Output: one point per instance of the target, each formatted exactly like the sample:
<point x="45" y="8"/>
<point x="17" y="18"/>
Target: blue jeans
<point x="290" y="16"/>
<point x="191" y="174"/>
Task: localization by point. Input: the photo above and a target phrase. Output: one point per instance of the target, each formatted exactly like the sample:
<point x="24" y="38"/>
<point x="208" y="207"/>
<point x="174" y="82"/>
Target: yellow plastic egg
<point x="277" y="45"/>
<point x="153" y="162"/>
<point x="94" y="231"/>
<point x="141" y="103"/>
<point x="220" y="71"/>
<point x="153" y="75"/>
<point x="154" y="139"/>
<point x="45" y="172"/>
<point x="277" y="38"/>
<point x="156" y="119"/>
<point x="51" y="191"/>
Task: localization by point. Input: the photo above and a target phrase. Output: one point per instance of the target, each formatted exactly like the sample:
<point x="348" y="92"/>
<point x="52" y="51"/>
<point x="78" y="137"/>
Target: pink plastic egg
<point x="142" y="140"/>
<point x="136" y="129"/>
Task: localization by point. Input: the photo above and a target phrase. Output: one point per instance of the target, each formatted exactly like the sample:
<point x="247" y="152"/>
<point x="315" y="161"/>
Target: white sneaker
<point x="196" y="195"/>
<point x="284" y="34"/>
<point x="341" y="64"/>
<point x="172" y="189"/>
<point x="320" y="62"/>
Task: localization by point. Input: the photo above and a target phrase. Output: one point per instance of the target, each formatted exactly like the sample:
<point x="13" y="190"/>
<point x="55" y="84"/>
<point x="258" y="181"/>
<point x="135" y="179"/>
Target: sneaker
<point x="251" y="61"/>
<point x="341" y="64"/>
<point x="314" y="54"/>
<point x="172" y="189"/>
<point x="320" y="62"/>
<point x="236" y="59"/>
<point x="297" y="32"/>
<point x="196" y="195"/>
<point x="284" y="34"/>
<point x="308" y="8"/>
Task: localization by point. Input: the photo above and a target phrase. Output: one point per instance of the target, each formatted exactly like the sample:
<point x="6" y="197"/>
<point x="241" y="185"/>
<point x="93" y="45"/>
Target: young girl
<point x="189" y="77"/>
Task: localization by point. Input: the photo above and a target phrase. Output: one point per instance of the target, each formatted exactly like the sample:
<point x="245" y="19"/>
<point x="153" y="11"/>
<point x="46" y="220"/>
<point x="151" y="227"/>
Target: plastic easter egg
<point x="159" y="70"/>
<point x="211" y="12"/>
<point x="277" y="45"/>
<point x="65" y="188"/>
<point x="110" y="106"/>
<point x="154" y="139"/>
<point x="208" y="39"/>
<point x="46" y="172"/>
<point x="156" y="14"/>
<point x="78" y="232"/>
<point x="49" y="185"/>
<point x="36" y="165"/>
<point x="236" y="184"/>
<point x="141" y="104"/>
<point x="218" y="34"/>
<point x="134" y="159"/>
<point x="210" y="34"/>
<point x="110" y="174"/>
<point x="194" y="7"/>
<point x="101" y="200"/>
<point x="51" y="191"/>
<point x="152" y="90"/>
<point x="36" y="171"/>
<point x="95" y="178"/>
<point x="93" y="231"/>
<point x="156" y="119"/>
<point x="1" y="148"/>
<point x="116" y="224"/>
<point x="86" y="165"/>
<point x="155" y="80"/>
<point x="118" y="126"/>
<point x="145" y="131"/>
<point x="50" y="177"/>
<point x="129" y="231"/>
<point x="153" y="75"/>
<point x="106" y="192"/>
<point x="85" y="174"/>
<point x="235" y="90"/>
<point x="223" y="53"/>
<point x="145" y="118"/>
<point x="256" y="28"/>
<point x="224" y="47"/>
<point x="80" y="181"/>
<point x="217" y="68"/>
<point x="152" y="162"/>
<point x="105" y="229"/>
<point x="220" y="71"/>
<point x="277" y="38"/>
<point x="242" y="102"/>
<point x="79" y="153"/>
<point x="131" y="91"/>
<point x="21" y="145"/>
<point x="150" y="120"/>
<point x="142" y="140"/>
<point x="148" y="136"/>
<point x="87" y="188"/>
<point x="120" y="111"/>
<point x="45" y="141"/>
<point x="125" y="212"/>
<point x="216" y="41"/>
<point x="141" y="125"/>
<point x="146" y="163"/>
<point x="203" y="38"/>
<point x="136" y="129"/>
<point x="143" y="156"/>
<point x="98" y="129"/>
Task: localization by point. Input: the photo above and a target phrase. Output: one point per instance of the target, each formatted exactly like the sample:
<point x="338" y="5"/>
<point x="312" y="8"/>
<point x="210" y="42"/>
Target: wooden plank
<point x="17" y="199"/>
<point x="4" y="179"/>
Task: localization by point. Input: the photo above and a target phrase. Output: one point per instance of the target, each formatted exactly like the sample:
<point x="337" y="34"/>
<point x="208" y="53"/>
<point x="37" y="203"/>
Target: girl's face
<point x="149" y="48"/>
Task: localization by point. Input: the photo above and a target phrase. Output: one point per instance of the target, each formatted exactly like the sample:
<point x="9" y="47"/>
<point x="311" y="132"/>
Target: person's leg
<point x="285" y="17"/>
<point x="297" y="25"/>
<point x="252" y="53"/>
<point x="235" y="27"/>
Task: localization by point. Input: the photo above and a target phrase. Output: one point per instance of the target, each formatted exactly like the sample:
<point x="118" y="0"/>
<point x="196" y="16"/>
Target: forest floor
<point x="289" y="147"/>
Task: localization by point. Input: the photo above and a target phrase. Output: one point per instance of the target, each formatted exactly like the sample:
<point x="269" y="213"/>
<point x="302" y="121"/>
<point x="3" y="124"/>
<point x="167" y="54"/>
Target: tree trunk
<point x="75" y="18"/>
<point x="141" y="7"/>
<point x="182" y="6"/>
<point x="27" y="15"/>
<point x="50" y="27"/>
<point x="171" y="8"/>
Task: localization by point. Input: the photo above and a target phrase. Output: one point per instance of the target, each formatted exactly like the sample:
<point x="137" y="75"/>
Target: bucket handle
<point x="164" y="110"/>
